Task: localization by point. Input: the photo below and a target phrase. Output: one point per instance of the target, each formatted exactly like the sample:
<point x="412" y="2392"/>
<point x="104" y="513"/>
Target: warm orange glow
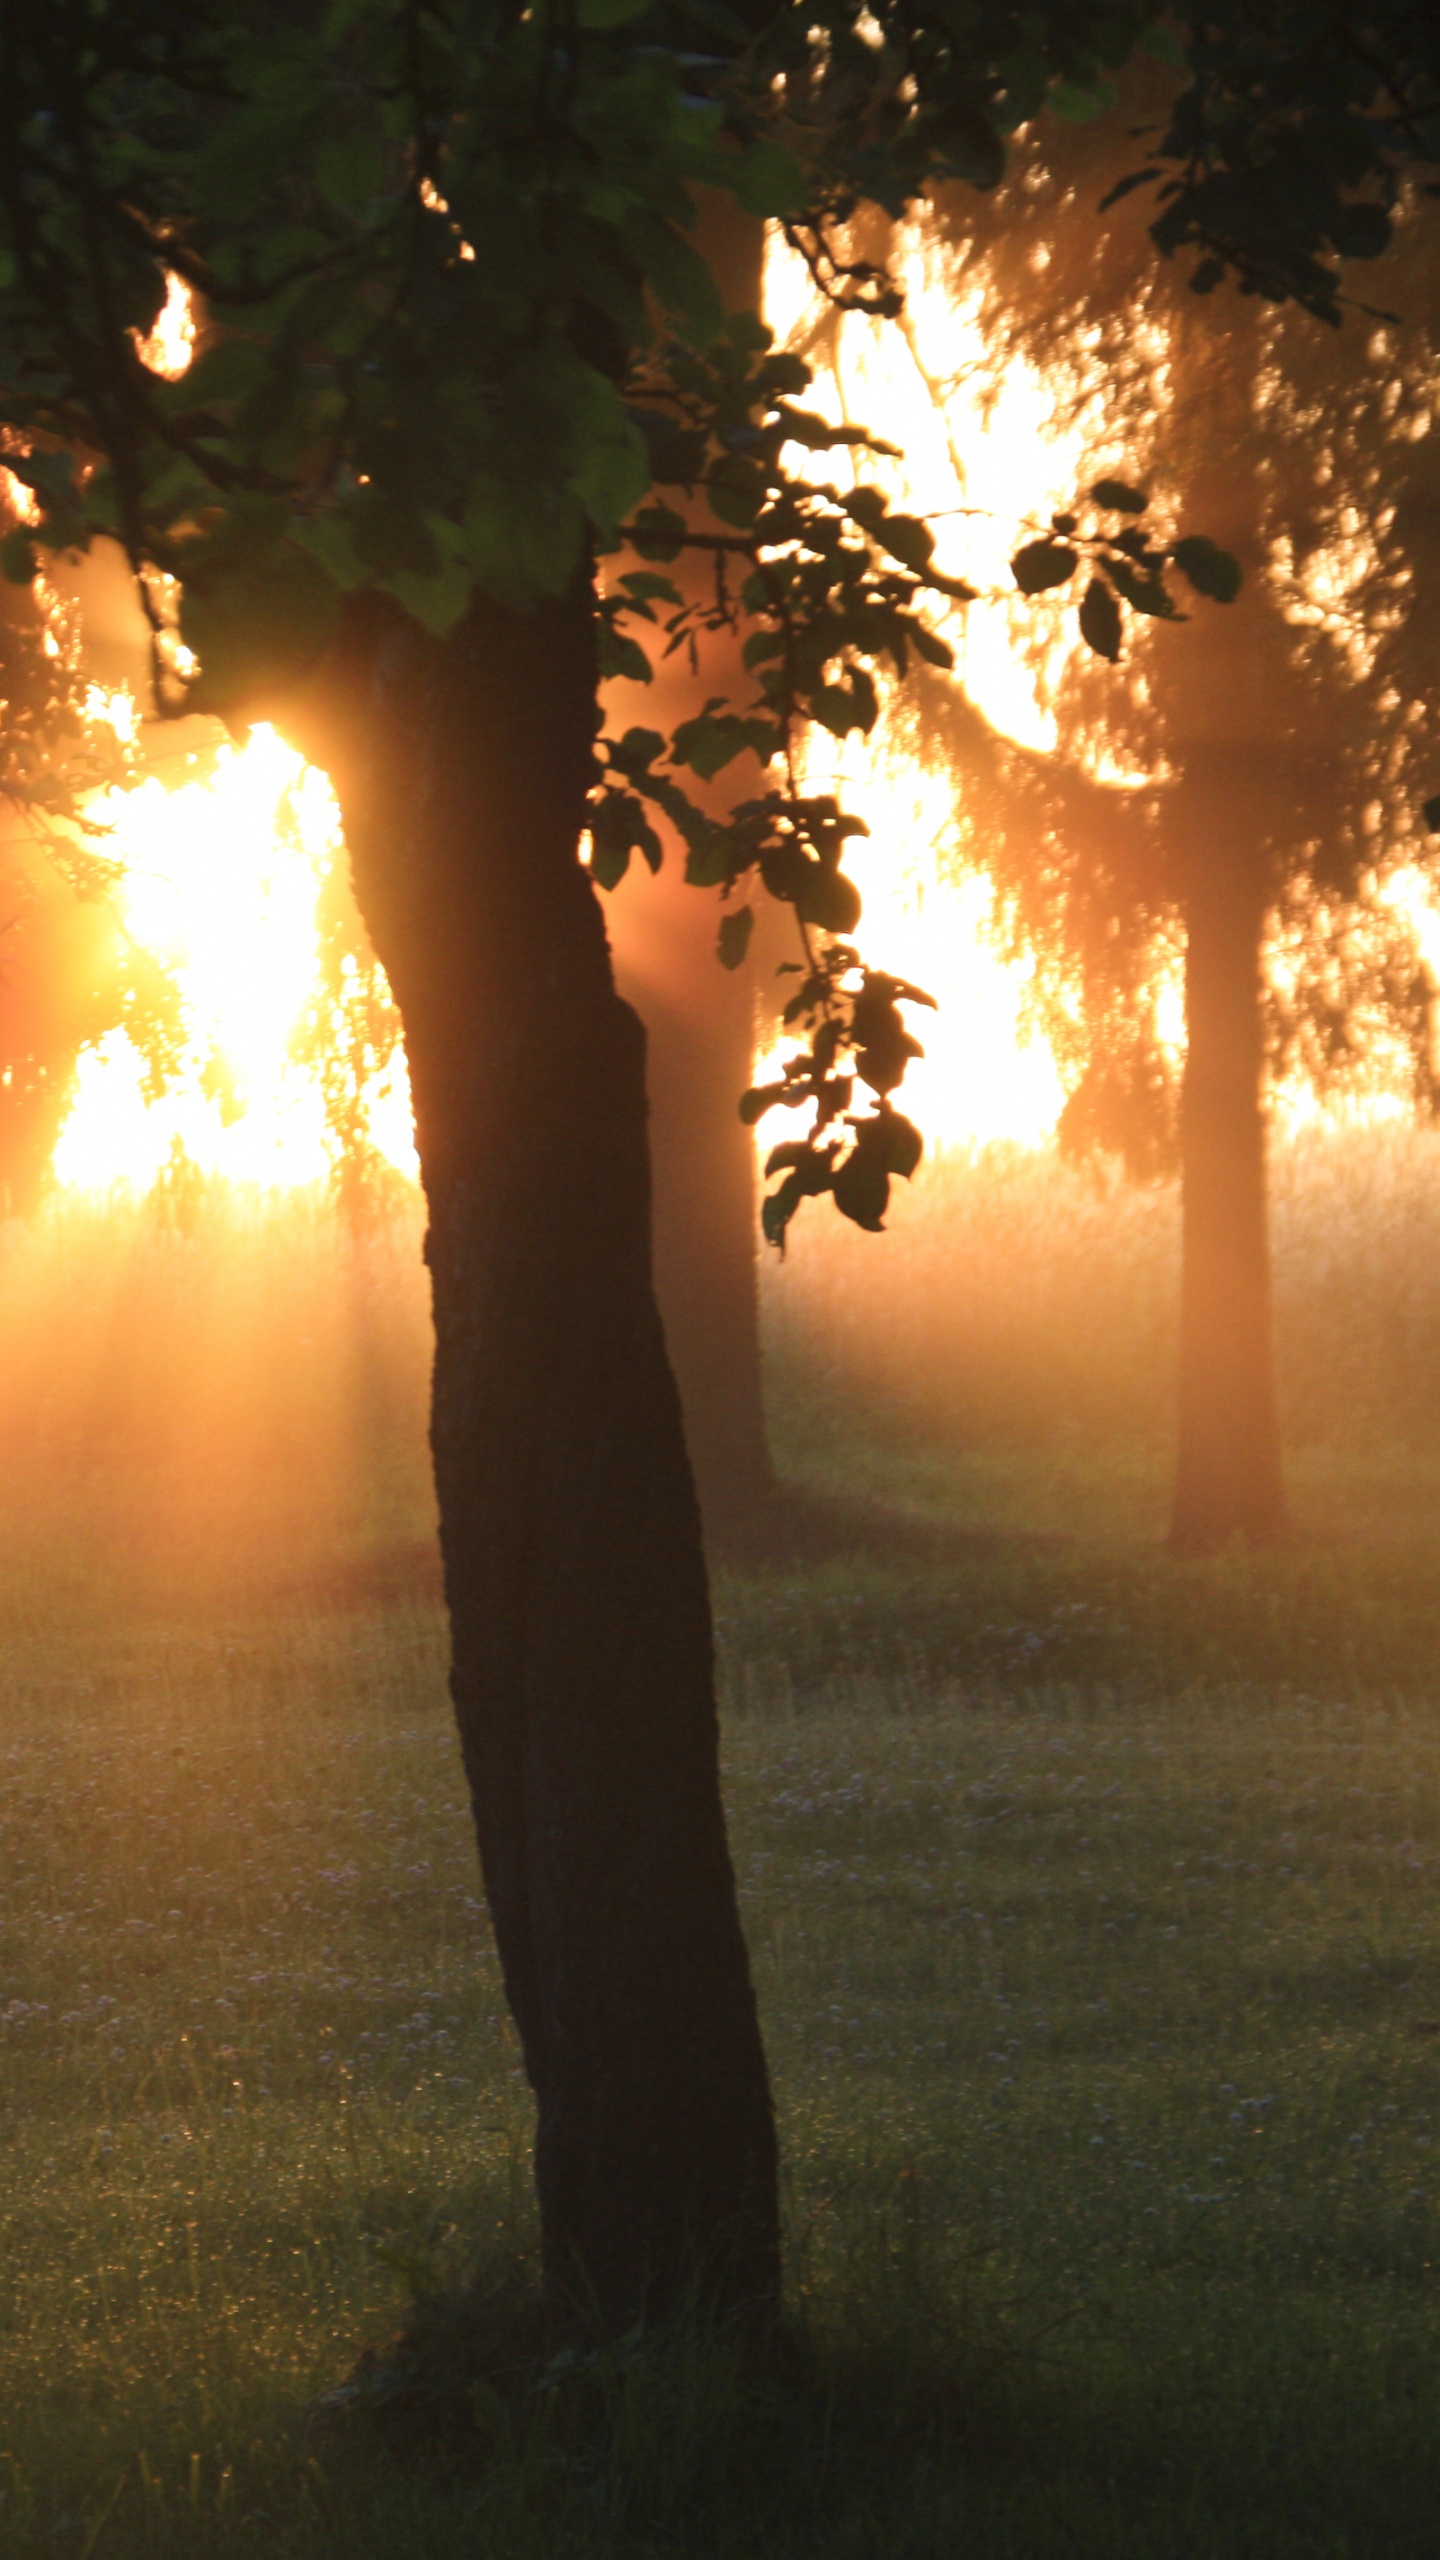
<point x="171" y="343"/>
<point x="978" y="460"/>
<point x="225" y="854"/>
<point x="221" y="877"/>
<point x="988" y="452"/>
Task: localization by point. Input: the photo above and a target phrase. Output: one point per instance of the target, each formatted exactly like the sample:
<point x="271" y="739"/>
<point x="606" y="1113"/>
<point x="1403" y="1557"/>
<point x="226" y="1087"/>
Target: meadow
<point x="1090" y="1895"/>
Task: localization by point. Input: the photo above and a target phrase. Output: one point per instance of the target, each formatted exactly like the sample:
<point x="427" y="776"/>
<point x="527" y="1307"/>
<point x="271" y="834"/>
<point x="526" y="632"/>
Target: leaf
<point x="812" y="1172"/>
<point x="1038" y="565"/>
<point x="1119" y="498"/>
<point x="861" y="1186"/>
<point x="350" y="168"/>
<point x="620" y="655"/>
<point x="736" y="928"/>
<point x="907" y="540"/>
<point x="1360" y="230"/>
<point x="1127" y="186"/>
<point x="828" y="899"/>
<point x="1211" y="571"/>
<point x="1148" y="593"/>
<point x="1100" y="620"/>
<point x="760" y="1099"/>
<point x="714" y="739"/>
<point x="904" y="1145"/>
<point x="768" y="180"/>
<point x="646" y="588"/>
<point x="618" y="828"/>
<point x="657" y="533"/>
<point x="1080" y="103"/>
<point x="929" y="645"/>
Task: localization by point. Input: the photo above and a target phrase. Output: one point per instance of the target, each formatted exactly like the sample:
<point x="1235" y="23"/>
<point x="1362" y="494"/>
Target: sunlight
<point x="221" y="879"/>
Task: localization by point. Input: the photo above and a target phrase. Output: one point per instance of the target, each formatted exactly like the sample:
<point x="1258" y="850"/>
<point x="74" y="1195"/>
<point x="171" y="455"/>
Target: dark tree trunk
<point x="582" y="1659"/>
<point x="699" y="1025"/>
<point x="1228" y="1480"/>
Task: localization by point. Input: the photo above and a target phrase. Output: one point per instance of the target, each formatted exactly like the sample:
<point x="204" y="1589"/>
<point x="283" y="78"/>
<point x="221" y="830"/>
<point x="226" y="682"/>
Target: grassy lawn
<point x="1092" y="1902"/>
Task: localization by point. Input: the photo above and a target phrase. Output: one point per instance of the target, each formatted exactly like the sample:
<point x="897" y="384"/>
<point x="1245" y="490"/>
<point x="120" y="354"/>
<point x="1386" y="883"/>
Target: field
<point x="1091" y="1897"/>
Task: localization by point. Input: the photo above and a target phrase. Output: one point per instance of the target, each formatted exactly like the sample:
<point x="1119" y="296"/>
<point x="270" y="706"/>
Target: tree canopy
<point x="458" y="340"/>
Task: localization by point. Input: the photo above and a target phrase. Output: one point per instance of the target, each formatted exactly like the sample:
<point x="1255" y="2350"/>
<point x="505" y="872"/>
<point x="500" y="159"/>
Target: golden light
<point x="989" y="450"/>
<point x="981" y="455"/>
<point x="171" y="343"/>
<point x="225" y="865"/>
<point x="221" y="879"/>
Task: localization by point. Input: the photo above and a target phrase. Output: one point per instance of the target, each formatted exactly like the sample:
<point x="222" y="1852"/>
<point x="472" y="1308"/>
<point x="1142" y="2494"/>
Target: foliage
<point x="458" y="333"/>
<point x="1307" y="717"/>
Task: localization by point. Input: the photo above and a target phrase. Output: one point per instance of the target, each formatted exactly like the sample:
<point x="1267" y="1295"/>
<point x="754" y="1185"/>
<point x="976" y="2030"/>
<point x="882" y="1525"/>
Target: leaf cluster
<point x="1126" y="567"/>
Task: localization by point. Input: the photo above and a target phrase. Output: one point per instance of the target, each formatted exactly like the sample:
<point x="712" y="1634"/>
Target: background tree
<point x="1277" y="754"/>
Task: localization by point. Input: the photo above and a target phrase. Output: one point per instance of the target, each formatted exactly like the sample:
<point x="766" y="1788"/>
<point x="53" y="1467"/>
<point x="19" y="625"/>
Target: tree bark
<point x="582" y="1674"/>
<point x="699" y="1025"/>
<point x="1229" y="1479"/>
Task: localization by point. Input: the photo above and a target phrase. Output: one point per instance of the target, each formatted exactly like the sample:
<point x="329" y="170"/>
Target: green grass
<point x="1092" y="1903"/>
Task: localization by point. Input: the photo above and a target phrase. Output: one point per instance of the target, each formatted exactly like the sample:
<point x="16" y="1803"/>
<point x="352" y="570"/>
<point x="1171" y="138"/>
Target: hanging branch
<point x="831" y="584"/>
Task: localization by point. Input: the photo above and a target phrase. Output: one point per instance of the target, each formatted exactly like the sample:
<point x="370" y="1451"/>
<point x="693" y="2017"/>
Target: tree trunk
<point x="582" y="1671"/>
<point x="1228" y="1479"/>
<point x="700" y="1040"/>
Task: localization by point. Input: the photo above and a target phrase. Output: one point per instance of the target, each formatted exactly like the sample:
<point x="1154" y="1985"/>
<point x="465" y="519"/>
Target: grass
<point x="1091" y="1897"/>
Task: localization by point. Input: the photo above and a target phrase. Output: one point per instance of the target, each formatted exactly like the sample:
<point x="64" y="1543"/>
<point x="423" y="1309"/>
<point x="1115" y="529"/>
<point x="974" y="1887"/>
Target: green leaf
<point x="618" y="828"/>
<point x="1038" y="565"/>
<point x="1081" y="104"/>
<point x="769" y="181"/>
<point x="350" y="169"/>
<point x="714" y="739"/>
<point x="736" y="927"/>
<point x="647" y="588"/>
<point x="1100" y="624"/>
<point x="1211" y="571"/>
<point x="657" y="533"/>
<point x="1119" y="498"/>
<point x="620" y="655"/>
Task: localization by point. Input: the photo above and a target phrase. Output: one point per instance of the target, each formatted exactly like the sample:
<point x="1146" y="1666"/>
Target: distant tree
<point x="1294" y="740"/>
<point x="66" y="977"/>
<point x="1279" y="753"/>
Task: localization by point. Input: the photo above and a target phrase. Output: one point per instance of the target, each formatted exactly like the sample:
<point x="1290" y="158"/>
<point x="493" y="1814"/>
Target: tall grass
<point x="253" y="1370"/>
<point x="1019" y="1297"/>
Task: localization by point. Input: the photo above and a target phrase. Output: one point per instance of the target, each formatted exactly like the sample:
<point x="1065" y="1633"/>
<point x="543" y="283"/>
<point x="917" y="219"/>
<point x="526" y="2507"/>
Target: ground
<point x="1091" y="1897"/>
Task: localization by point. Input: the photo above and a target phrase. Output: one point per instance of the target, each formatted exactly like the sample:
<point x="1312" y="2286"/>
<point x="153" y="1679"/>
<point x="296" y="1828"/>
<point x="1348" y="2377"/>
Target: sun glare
<point x="981" y="454"/>
<point x="220" y="881"/>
